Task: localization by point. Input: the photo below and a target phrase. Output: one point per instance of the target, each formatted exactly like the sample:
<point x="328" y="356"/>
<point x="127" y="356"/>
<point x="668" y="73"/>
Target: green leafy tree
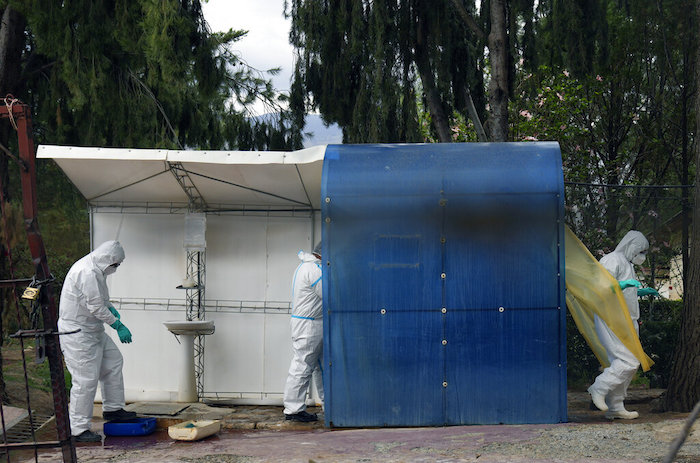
<point x="117" y="73"/>
<point x="139" y="74"/>
<point x="367" y="65"/>
<point x="684" y="384"/>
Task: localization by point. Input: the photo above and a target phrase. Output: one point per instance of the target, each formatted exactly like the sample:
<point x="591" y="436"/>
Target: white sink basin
<point x="187" y="330"/>
<point x="191" y="327"/>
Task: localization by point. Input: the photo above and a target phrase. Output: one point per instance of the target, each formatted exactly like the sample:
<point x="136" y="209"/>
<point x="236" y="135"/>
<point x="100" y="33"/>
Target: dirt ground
<point x="253" y="434"/>
<point x="256" y="434"/>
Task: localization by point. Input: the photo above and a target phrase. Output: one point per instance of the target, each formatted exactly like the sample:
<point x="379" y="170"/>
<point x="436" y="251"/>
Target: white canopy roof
<point x="119" y="176"/>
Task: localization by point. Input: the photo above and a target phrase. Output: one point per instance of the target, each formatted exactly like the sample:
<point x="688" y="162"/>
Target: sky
<point x="266" y="45"/>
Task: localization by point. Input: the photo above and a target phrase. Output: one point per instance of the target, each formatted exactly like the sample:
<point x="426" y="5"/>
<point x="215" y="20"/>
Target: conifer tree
<point x="683" y="391"/>
<point x="136" y="74"/>
<point x="365" y="65"/>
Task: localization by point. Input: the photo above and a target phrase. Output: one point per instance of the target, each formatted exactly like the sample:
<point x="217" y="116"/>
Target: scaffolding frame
<point x="196" y="271"/>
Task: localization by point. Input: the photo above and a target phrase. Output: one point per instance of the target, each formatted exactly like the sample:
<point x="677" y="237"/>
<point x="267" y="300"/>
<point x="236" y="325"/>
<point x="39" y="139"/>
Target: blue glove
<point x="114" y="312"/>
<point x="629" y="283"/>
<point x="122" y="331"/>
<point x="647" y="292"/>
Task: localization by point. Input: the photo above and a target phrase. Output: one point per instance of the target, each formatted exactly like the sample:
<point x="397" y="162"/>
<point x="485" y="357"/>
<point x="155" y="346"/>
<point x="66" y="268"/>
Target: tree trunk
<point x="685" y="176"/>
<point x="684" y="383"/>
<point x="474" y="116"/>
<point x="11" y="45"/>
<point x="466" y="94"/>
<point x="498" y="86"/>
<point x="467" y="19"/>
<point x="435" y="106"/>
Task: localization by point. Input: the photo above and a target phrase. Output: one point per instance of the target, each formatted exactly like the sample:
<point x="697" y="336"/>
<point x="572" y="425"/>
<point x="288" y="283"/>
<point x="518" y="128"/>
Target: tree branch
<point x="474" y="116"/>
<point x="435" y="106"/>
<point x="468" y="19"/>
<point x="685" y="432"/>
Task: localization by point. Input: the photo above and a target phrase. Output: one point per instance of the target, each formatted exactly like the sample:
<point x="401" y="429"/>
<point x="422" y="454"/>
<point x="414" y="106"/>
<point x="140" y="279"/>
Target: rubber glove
<point x="647" y="292"/>
<point x="629" y="283"/>
<point x="114" y="312"/>
<point x="122" y="331"/>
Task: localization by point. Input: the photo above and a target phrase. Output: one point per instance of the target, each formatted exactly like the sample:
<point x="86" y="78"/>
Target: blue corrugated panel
<point x="443" y="284"/>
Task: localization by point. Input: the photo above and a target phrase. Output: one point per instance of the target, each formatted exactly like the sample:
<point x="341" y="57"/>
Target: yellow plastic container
<point x="194" y="430"/>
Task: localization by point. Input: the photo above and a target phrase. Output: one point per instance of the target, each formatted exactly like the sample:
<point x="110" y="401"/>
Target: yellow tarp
<point x="592" y="290"/>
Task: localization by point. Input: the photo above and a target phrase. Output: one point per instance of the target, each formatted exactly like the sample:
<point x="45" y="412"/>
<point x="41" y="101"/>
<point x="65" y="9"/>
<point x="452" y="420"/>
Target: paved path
<point x="253" y="434"/>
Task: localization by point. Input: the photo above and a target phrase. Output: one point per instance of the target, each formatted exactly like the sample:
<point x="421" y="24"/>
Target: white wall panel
<point x="253" y="258"/>
<point x="247" y="259"/>
<point x="284" y="240"/>
<point x="236" y="258"/>
<point x="234" y="357"/>
<point x="278" y="352"/>
<point x="155" y="257"/>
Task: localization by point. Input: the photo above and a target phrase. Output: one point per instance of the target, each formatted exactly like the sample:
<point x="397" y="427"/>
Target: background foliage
<point x="137" y="74"/>
<point x="658" y="334"/>
<point x="612" y="81"/>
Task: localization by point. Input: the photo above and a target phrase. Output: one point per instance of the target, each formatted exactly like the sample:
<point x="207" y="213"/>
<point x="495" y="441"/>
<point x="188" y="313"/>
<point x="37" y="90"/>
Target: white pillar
<point x="187" y="386"/>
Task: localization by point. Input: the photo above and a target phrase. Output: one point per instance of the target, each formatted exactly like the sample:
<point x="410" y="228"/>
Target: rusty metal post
<point x="20" y="116"/>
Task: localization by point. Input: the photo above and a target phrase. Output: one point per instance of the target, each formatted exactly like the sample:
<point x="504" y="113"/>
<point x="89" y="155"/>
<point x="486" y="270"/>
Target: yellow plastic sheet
<point x="592" y="290"/>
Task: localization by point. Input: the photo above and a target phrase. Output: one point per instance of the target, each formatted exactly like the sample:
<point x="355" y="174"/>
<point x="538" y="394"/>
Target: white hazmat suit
<point x="307" y="335"/>
<point x="612" y="383"/>
<point x="91" y="356"/>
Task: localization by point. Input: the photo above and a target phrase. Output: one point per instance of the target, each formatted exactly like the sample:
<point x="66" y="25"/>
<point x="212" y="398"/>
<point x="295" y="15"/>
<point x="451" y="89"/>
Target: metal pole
<point x="21" y="116"/>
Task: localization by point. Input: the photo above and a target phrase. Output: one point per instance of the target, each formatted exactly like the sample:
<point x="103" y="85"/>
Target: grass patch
<point x="38" y="376"/>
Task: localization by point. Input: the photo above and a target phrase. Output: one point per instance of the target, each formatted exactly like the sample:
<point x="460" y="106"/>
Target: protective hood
<point x="632" y="244"/>
<point x="306" y="257"/>
<point x="106" y="254"/>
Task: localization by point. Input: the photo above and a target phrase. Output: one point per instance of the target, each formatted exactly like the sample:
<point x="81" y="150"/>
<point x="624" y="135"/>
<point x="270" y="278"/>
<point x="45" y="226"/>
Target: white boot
<point x="598" y="398"/>
<point x="621" y="414"/>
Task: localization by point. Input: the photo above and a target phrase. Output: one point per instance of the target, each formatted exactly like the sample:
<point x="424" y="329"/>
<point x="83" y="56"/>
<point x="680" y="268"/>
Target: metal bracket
<point x="42" y="333"/>
<point x="40" y="340"/>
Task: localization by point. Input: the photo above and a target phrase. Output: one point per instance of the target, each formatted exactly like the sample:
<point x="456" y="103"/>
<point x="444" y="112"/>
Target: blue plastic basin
<point x="135" y="427"/>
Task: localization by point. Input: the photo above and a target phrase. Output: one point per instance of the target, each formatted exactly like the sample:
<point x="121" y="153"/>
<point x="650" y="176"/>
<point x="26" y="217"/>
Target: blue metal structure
<point x="443" y="284"/>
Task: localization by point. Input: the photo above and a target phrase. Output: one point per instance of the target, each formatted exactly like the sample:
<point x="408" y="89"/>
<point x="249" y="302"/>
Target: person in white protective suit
<point x="610" y="387"/>
<point x="90" y="354"/>
<point x="307" y="336"/>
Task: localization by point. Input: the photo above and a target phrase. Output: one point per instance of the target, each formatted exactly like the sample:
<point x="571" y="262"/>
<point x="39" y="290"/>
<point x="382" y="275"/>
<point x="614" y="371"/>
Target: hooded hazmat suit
<point x="612" y="383"/>
<point x="307" y="334"/>
<point x="90" y="355"/>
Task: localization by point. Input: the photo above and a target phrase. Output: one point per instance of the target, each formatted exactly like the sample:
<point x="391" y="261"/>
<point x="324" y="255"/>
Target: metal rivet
<point x="444" y="310"/>
<point x="442" y="240"/>
<point x="443" y="202"/>
<point x="328" y="220"/>
<point x="444" y="384"/>
<point x="444" y="342"/>
<point x="443" y="276"/>
<point x="328" y="200"/>
<point x="383" y="311"/>
<point x="501" y="309"/>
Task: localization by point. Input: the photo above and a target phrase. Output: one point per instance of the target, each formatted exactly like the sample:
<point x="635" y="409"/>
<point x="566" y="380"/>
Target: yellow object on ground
<point x="194" y="430"/>
<point x="592" y="290"/>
